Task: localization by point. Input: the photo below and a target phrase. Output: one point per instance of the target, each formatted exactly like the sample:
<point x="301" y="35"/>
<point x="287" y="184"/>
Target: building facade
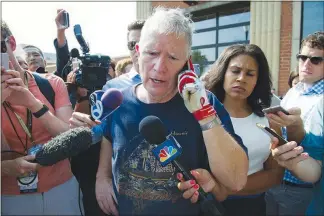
<point x="277" y="27"/>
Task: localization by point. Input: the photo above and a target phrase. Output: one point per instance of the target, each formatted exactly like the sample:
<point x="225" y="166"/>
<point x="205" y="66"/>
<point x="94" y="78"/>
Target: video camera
<point x="92" y="70"/>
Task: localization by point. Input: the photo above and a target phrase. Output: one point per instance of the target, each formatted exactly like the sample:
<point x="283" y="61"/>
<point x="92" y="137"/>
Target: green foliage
<point x="198" y="58"/>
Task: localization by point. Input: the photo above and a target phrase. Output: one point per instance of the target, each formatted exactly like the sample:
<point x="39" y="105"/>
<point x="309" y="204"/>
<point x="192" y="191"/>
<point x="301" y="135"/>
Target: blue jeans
<point x="288" y="200"/>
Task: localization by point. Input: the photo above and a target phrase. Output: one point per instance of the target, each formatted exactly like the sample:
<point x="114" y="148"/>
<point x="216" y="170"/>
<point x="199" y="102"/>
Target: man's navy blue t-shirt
<point x="142" y="185"/>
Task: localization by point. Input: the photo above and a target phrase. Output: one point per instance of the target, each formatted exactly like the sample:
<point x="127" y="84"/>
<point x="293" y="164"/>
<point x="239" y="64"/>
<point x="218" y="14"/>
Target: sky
<point x="104" y="24"/>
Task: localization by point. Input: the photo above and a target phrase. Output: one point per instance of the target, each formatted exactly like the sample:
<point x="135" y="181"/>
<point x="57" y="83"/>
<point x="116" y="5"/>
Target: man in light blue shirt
<point x="293" y="196"/>
<point x="132" y="77"/>
<point x="306" y="162"/>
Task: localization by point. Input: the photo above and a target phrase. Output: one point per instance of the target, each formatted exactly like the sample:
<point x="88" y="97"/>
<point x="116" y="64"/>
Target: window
<point x="234" y="18"/>
<point x="210" y="53"/>
<point x="221" y="49"/>
<point x="312" y="17"/>
<point x="216" y="30"/>
<point x="233" y="34"/>
<point x="204" y="38"/>
<point x="209" y="23"/>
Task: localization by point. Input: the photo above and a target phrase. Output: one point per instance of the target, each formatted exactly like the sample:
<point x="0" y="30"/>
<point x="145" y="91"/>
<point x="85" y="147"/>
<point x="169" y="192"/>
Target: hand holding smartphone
<point x="275" y="110"/>
<point x="63" y="20"/>
<point x="272" y="133"/>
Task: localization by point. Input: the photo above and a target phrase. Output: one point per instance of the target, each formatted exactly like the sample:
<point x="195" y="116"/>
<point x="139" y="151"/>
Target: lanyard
<point x="28" y="128"/>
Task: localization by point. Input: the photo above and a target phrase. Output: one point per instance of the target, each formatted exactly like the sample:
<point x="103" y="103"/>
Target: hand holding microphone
<point x="194" y="95"/>
<point x="166" y="151"/>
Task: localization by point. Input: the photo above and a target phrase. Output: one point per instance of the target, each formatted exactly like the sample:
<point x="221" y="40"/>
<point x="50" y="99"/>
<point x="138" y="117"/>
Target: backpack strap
<point x="46" y="88"/>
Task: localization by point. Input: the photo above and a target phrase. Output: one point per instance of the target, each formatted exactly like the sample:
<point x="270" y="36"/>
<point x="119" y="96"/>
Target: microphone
<point x="103" y="103"/>
<point x="166" y="150"/>
<point x="65" y="145"/>
<point x="80" y="39"/>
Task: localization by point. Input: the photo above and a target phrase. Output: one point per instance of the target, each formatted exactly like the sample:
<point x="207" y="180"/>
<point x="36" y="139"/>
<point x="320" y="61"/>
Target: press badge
<point x="28" y="184"/>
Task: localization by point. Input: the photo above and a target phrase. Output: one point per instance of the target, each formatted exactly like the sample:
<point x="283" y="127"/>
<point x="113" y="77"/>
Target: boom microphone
<point x="78" y="34"/>
<point x="65" y="145"/>
<point x="166" y="150"/>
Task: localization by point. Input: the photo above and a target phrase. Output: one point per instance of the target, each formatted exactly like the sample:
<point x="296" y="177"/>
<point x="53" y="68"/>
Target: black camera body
<point x="93" y="71"/>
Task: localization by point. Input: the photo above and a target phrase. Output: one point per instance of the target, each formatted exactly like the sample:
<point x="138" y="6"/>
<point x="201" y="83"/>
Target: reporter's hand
<point x="20" y="94"/>
<point x="59" y="19"/>
<point x="71" y="77"/>
<point x="287" y="155"/>
<point x="81" y="119"/>
<point x="5" y="90"/>
<point x="20" y="166"/>
<point x="106" y="196"/>
<point x="284" y="120"/>
<point x="206" y="181"/>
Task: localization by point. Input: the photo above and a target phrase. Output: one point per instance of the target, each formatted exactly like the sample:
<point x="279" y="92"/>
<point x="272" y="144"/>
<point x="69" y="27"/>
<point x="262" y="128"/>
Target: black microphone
<point x="80" y="39"/>
<point x="65" y="145"/>
<point x="166" y="150"/>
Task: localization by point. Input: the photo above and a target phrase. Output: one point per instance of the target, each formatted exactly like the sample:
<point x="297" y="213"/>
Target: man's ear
<point x="45" y="63"/>
<point x="12" y="42"/>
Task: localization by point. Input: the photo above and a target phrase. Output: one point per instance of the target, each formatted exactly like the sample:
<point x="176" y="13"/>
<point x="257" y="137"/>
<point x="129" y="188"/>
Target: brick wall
<point x="285" y="46"/>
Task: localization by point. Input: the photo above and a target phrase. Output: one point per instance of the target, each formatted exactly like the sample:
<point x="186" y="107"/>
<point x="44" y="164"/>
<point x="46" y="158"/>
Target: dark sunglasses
<point x="3" y="47"/>
<point x="131" y="45"/>
<point x="313" y="59"/>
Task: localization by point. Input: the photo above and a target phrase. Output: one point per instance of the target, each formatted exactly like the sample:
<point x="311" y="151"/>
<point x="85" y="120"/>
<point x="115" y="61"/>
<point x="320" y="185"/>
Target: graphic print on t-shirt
<point x="143" y="180"/>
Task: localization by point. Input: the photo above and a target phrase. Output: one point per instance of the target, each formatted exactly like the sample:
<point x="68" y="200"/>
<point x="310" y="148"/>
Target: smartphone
<point x="272" y="133"/>
<point x="5" y="61"/>
<point x="65" y="20"/>
<point x="275" y="109"/>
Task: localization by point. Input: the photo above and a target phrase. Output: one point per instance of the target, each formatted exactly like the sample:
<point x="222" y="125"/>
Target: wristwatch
<point x="41" y="112"/>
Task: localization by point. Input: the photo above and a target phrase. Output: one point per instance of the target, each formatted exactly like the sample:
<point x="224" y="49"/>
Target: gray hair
<point x="167" y="21"/>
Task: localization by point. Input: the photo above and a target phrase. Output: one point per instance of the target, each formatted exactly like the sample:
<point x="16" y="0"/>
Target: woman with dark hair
<point x="293" y="78"/>
<point x="241" y="80"/>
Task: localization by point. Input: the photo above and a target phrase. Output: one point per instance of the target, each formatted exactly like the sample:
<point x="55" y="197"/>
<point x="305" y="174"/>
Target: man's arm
<point x="61" y="47"/>
<point x="105" y="167"/>
<point x="309" y="170"/>
<point x="104" y="187"/>
<point x="54" y="124"/>
<point x="21" y="96"/>
<point x="227" y="160"/>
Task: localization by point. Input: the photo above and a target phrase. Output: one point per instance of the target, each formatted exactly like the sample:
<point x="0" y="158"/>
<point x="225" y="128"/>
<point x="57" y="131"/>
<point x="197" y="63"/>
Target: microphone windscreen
<point x="112" y="98"/>
<point x="153" y="130"/>
<point x="65" y="145"/>
<point x="104" y="103"/>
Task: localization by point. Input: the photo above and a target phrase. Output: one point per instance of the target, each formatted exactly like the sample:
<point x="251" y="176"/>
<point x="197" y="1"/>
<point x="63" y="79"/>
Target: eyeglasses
<point x="315" y="60"/>
<point x="131" y="45"/>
